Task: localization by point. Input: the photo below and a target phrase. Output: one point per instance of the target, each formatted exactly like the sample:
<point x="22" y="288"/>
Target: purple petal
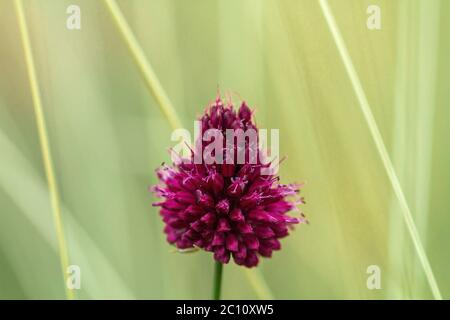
<point x="264" y="232"/>
<point x="236" y="215"/>
<point x="223" y="206"/>
<point x="185" y="197"/>
<point x="251" y="260"/>
<point x="252" y="242"/>
<point x="223" y="225"/>
<point x="219" y="239"/>
<point x="244" y="228"/>
<point x="208" y="219"/>
<point x="232" y="242"/>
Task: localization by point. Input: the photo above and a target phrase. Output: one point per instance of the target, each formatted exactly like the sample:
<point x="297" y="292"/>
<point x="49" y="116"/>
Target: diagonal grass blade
<point x="376" y="135"/>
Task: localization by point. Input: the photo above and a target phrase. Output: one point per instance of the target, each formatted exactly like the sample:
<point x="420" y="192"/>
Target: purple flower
<point x="228" y="209"/>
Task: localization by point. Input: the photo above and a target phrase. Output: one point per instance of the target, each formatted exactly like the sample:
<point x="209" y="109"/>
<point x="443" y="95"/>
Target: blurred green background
<point x="107" y="135"/>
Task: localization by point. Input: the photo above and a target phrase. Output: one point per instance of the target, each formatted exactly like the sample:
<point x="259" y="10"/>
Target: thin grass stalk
<point x="16" y="167"/>
<point x="428" y="51"/>
<point x="301" y="81"/>
<point x="378" y="140"/>
<point x="145" y="68"/>
<point x="427" y="57"/>
<point x="45" y="145"/>
<point x="395" y="287"/>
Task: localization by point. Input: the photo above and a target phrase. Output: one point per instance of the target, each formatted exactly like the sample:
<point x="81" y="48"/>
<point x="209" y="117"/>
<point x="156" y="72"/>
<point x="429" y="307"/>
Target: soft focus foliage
<point x="107" y="135"/>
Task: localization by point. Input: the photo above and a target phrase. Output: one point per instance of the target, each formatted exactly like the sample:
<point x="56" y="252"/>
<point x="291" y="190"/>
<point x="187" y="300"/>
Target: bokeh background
<point x="107" y="135"/>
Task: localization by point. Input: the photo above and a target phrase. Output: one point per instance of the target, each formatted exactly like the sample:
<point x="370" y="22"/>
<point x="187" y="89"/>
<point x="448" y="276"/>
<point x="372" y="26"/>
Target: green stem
<point x="217" y="280"/>
<point x="44" y="144"/>
<point x="146" y="69"/>
<point x="382" y="150"/>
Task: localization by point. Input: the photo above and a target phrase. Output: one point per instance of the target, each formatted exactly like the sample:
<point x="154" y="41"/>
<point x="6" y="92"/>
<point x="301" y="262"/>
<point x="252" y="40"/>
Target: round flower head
<point x="226" y="207"/>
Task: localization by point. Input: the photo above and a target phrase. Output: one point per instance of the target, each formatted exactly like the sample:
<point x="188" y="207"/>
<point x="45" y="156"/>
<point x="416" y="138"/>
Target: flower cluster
<point x="228" y="209"/>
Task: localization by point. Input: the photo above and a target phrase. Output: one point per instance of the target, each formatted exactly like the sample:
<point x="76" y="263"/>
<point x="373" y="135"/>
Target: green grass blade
<point x="397" y="263"/>
<point x="44" y="144"/>
<point x="428" y="56"/>
<point x="149" y="75"/>
<point x="101" y="278"/>
<point x="378" y="140"/>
